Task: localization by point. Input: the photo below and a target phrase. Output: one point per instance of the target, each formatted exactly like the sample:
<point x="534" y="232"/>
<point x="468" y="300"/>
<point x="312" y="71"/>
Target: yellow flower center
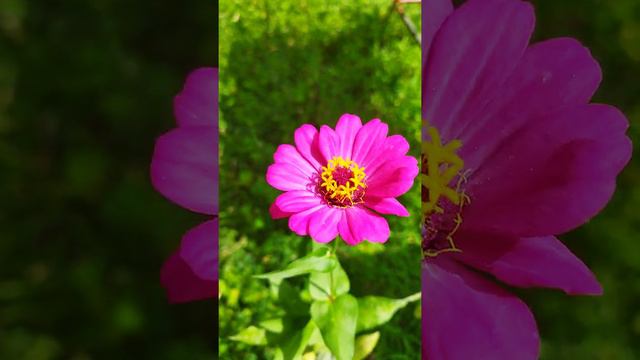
<point x="443" y="197"/>
<point x="342" y="182"/>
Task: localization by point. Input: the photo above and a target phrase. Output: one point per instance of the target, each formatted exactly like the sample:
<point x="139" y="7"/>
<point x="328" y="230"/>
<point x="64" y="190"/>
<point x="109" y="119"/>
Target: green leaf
<point x="337" y="323"/>
<point x="323" y="286"/>
<point x="377" y="310"/>
<point x="294" y="348"/>
<point x="365" y="345"/>
<point x="318" y="261"/>
<point x="251" y="335"/>
<point x="272" y="325"/>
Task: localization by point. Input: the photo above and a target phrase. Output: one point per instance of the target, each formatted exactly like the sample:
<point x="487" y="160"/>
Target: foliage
<point x="331" y="316"/>
<point x="85" y="88"/>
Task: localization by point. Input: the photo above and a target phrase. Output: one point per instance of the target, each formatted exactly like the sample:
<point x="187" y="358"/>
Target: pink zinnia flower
<point x="333" y="179"/>
<point x="513" y="155"/>
<point x="185" y="170"/>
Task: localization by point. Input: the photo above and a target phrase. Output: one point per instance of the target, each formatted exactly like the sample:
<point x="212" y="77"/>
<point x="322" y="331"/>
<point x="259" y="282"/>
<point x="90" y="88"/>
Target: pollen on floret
<point x="342" y="182"/>
<point x="443" y="194"/>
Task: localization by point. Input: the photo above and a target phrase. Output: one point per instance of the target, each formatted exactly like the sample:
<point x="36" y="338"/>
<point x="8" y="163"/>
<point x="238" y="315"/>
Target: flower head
<point x="337" y="182"/>
<point x="513" y="155"/>
<point x="184" y="169"/>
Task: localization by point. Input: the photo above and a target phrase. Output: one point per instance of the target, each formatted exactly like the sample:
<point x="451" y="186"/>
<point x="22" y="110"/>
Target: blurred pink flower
<point x="336" y="180"/>
<point x="513" y="154"/>
<point x="184" y="169"/>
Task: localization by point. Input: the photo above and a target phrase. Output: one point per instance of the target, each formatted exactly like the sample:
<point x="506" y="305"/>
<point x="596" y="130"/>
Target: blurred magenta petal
<point x="199" y="249"/>
<point x="465" y="316"/>
<point x="513" y="154"/>
<point x="332" y="178"/>
<point x="553" y="175"/>
<point x="184" y="168"/>
<point x="472" y="55"/>
<point x="182" y="285"/>
<point x="197" y="103"/>
<point x="529" y="262"/>
<point x="551" y="76"/>
<point x="434" y="13"/>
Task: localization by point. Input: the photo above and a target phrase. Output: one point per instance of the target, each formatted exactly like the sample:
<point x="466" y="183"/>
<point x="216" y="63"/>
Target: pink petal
<point x="529" y="262"/>
<point x="347" y="128"/>
<point x="288" y="154"/>
<point x="552" y="176"/>
<point x="181" y="284"/>
<point x="393" y="148"/>
<point x="344" y="229"/>
<point x="199" y="249"/>
<point x="297" y="201"/>
<point x="474" y="52"/>
<point x="197" y="103"/>
<point x="368" y="140"/>
<point x="306" y="138"/>
<point x="299" y="222"/>
<point x="287" y="177"/>
<point x="394" y="178"/>
<point x="328" y="143"/>
<point x="323" y="225"/>
<point x="388" y="205"/>
<point x="364" y="225"/>
<point x="277" y="213"/>
<point x="552" y="75"/>
<point x="184" y="168"/>
<point x="434" y="12"/>
<point x="465" y="316"/>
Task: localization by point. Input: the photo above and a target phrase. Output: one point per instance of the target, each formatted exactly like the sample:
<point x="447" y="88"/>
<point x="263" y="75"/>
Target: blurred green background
<point x="282" y="64"/>
<point x="85" y="88"/>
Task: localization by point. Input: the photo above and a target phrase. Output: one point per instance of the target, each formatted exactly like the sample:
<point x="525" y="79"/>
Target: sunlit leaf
<point x="325" y="285"/>
<point x="251" y="335"/>
<point x="317" y="261"/>
<point x="337" y="323"/>
<point x="377" y="310"/>
<point x="365" y="345"/>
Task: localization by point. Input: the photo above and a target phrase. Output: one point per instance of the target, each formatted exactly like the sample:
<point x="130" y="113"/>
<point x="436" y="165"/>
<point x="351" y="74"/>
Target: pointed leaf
<point x="337" y="323"/>
<point x="377" y="310"/>
<point x="294" y="348"/>
<point x="365" y="345"/>
<point x="318" y="260"/>
<point x="251" y="335"/>
<point x="273" y="325"/>
<point x="323" y="286"/>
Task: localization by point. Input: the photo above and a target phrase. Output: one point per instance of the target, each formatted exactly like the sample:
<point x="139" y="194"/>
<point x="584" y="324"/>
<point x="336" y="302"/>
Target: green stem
<point x="334" y="252"/>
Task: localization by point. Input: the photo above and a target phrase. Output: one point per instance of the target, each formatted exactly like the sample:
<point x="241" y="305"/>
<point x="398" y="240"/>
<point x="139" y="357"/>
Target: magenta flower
<point x="334" y="179"/>
<point x="184" y="169"/>
<point x="513" y="155"/>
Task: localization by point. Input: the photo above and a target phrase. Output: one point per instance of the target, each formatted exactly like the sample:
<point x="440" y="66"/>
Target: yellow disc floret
<point x="442" y="179"/>
<point x="342" y="182"/>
